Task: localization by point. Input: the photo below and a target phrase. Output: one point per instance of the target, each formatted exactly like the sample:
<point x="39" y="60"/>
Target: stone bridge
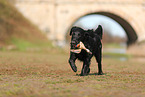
<point x="55" y="17"/>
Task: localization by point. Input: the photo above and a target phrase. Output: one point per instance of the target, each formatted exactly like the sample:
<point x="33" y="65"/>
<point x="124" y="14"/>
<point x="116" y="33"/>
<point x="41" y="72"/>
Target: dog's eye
<point x="79" y="34"/>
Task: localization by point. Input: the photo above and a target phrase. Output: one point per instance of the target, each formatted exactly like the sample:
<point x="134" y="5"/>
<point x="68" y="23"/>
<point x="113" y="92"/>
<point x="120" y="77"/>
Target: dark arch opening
<point x="130" y="32"/>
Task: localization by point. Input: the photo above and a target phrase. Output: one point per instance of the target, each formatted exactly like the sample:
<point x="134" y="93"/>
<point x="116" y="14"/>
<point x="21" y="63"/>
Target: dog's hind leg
<point x="72" y="62"/>
<point x="98" y="57"/>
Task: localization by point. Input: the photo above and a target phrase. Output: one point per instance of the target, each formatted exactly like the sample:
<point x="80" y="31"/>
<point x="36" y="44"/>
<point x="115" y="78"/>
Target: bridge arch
<point x="129" y="30"/>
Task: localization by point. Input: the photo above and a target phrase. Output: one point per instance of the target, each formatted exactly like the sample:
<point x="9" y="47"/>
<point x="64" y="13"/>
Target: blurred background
<point x="35" y="24"/>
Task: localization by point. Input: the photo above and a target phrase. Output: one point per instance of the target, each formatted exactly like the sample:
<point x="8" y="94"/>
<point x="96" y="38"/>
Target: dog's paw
<point x="74" y="68"/>
<point x="100" y="73"/>
<point x="88" y="70"/>
<point x="82" y="74"/>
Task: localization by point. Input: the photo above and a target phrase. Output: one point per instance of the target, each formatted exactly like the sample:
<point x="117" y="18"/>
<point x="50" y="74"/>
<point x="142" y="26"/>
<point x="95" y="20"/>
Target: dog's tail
<point x="99" y="31"/>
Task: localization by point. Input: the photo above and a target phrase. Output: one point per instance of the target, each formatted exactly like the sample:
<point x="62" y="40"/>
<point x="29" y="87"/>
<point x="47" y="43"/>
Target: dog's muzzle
<point x="79" y="47"/>
<point x="73" y="44"/>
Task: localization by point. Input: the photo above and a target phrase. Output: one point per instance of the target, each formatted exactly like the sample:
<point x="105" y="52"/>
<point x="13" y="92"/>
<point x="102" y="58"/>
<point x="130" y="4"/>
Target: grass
<point x="24" y="45"/>
<point x="117" y="55"/>
<point x="48" y="74"/>
<point x="112" y="45"/>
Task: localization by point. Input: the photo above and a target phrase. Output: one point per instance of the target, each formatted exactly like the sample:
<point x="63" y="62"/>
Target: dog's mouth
<point x="74" y="45"/>
<point x="79" y="47"/>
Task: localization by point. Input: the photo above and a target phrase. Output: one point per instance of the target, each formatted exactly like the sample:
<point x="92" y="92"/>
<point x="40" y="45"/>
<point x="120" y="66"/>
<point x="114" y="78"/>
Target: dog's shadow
<point x="91" y="74"/>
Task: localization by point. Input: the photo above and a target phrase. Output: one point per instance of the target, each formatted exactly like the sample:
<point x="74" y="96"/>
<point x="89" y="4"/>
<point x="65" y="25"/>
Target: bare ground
<point x="44" y="74"/>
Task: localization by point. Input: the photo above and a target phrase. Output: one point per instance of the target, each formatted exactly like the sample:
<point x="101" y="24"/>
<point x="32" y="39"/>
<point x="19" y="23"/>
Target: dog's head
<point x="77" y="34"/>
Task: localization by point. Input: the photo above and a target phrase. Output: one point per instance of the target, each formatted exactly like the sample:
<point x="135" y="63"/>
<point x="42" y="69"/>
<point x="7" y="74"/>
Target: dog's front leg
<point x="85" y="69"/>
<point x="72" y="62"/>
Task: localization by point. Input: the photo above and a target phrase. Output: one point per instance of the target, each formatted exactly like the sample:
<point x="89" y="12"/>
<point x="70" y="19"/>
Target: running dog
<point x="84" y="45"/>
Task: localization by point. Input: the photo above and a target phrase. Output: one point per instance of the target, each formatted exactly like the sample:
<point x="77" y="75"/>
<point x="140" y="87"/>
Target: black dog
<point x="92" y="41"/>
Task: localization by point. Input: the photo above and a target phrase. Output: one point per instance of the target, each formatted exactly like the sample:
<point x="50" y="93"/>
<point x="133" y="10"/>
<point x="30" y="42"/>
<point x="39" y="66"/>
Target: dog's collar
<point x="80" y="47"/>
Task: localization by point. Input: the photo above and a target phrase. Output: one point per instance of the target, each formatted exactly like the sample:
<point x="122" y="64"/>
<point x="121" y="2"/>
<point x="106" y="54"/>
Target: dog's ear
<point x="89" y="33"/>
<point x="99" y="31"/>
<point x="72" y="30"/>
<point x="86" y="34"/>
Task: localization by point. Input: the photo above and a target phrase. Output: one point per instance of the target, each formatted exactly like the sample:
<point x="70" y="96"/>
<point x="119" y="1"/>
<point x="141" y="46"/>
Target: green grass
<point x="117" y="55"/>
<point x="21" y="44"/>
<point x="24" y="45"/>
<point x="112" y="45"/>
<point x="48" y="74"/>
